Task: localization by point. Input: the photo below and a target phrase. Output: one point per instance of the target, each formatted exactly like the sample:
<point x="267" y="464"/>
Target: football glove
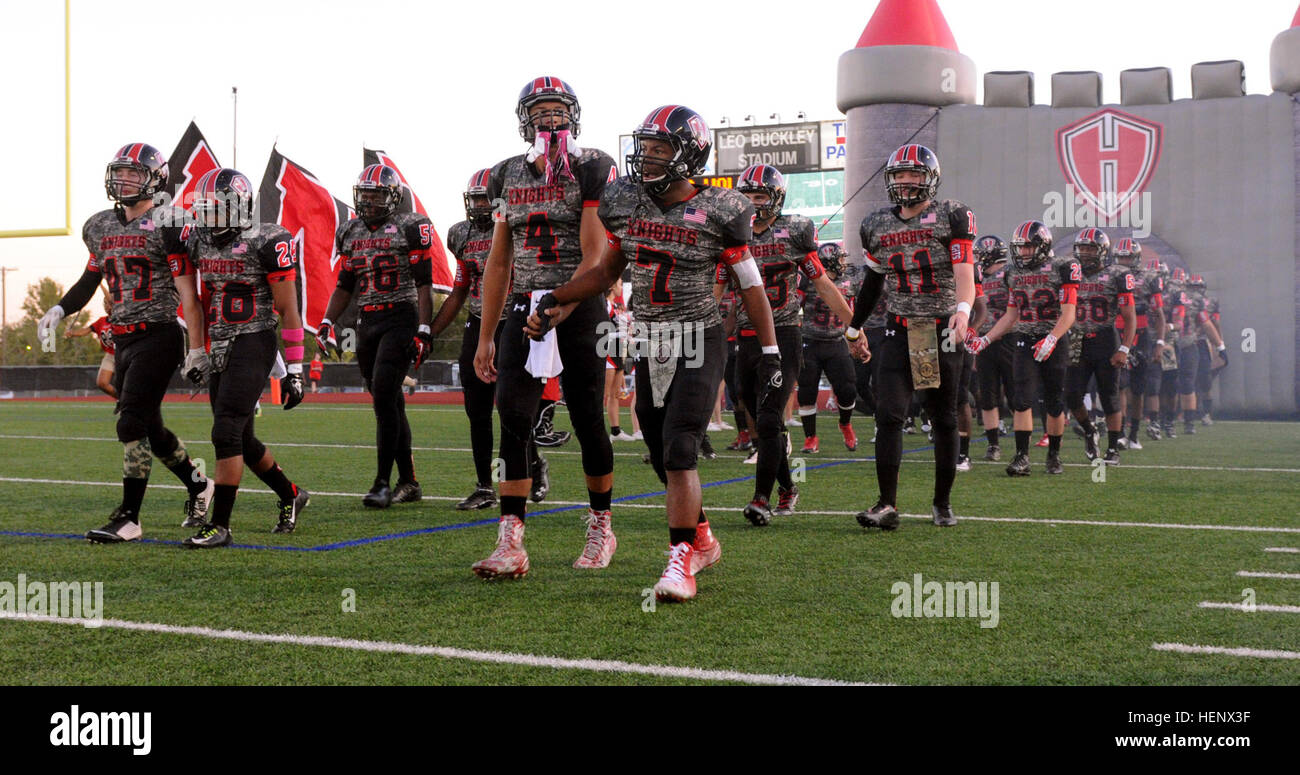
<point x="770" y="378"/>
<point x="1043" y="349"/>
<point x="420" y="347"/>
<point x="45" y="329"/>
<point x="325" y="339"/>
<point x="197" y="365"/>
<point x="291" y="389"/>
<point x="975" y="344"/>
<point x="546" y="302"/>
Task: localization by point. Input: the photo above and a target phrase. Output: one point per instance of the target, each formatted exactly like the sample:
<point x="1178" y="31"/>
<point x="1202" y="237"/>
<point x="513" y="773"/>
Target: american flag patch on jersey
<point x="930" y="218"/>
<point x="240" y="249"/>
<point x="146" y="225"/>
<point x="694" y="215"/>
<point x="781" y="234"/>
<point x="390" y="229"/>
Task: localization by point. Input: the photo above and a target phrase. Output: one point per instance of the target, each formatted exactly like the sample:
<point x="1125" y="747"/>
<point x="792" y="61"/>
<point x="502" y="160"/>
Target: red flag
<point x="191" y="158"/>
<point x="292" y="197"/>
<point x="442" y="274"/>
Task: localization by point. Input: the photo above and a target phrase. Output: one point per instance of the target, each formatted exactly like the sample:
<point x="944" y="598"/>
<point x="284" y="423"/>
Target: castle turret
<point x="1284" y="58"/>
<point x="904" y="68"/>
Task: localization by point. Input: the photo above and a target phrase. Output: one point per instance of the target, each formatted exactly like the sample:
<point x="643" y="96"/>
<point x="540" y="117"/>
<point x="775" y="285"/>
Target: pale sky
<point x="435" y="85"/>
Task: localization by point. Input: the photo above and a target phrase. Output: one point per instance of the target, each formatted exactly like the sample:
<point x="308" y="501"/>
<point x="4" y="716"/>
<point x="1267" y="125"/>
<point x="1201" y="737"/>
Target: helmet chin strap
<point x="563" y="141"/>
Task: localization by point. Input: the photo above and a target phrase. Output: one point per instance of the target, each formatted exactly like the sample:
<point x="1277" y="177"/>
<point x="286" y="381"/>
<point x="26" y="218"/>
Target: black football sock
<point x="405" y="467"/>
<point x="681" y="535"/>
<point x="599" y="500"/>
<point x="1112" y="440"/>
<point x="513" y="505"/>
<point x="480" y="440"/>
<point x="964" y="442"/>
<point x="133" y="495"/>
<point x="274" y="478"/>
<point x="846" y="416"/>
<point x="1207" y="406"/>
<point x="194" y="481"/>
<point x="703" y="518"/>
<point x="1053" y="446"/>
<point x="809" y="425"/>
<point x="1022" y="442"/>
<point x="992" y="435"/>
<point x="783" y="468"/>
<point x="222" y="504"/>
<point x="1133" y="424"/>
<point x="1190" y="415"/>
<point x="1088" y="427"/>
<point x="615" y="430"/>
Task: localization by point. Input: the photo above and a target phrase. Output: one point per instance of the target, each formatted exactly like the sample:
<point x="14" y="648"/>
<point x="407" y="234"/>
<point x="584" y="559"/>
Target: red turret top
<point x="910" y="23"/>
<point x="1295" y="20"/>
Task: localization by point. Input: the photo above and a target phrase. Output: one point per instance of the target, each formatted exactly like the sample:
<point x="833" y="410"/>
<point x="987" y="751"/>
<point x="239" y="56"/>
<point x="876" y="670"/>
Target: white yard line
<point x="1232" y="652"/>
<point x="1245" y="608"/>
<point x="1283" y="549"/>
<point x="1250" y="574"/>
<point x="494" y="657"/>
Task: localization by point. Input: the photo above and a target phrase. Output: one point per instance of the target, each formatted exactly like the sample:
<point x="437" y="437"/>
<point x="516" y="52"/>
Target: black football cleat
<point x="942" y="516"/>
<point x="541" y="472"/>
<point x="1112" y="457"/>
<point x="196" y="506"/>
<point x="1090" y="445"/>
<point x="1019" y="465"/>
<point x="483" y="497"/>
<point x="786" y="500"/>
<point x="879" y="516"/>
<point x="210" y="537"/>
<point x="1189" y="429"/>
<point x="1153" y="431"/>
<point x="407" y="492"/>
<point x="379" y="497"/>
<point x="706" y="449"/>
<point x="993" y="453"/>
<point x="758" y="513"/>
<point x="289" y="511"/>
<point x="120" y="528"/>
<point x="1169" y="431"/>
<point x="1054" y="465"/>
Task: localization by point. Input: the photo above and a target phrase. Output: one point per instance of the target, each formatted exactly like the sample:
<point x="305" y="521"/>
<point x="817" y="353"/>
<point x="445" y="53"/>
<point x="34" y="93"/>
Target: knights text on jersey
<point x="818" y="320"/>
<point x="674" y="253"/>
<point x="384" y="265"/>
<point x="546" y="220"/>
<point x="237" y="274"/>
<point x="917" y="255"/>
<point x="1038" y="294"/>
<point x="782" y="251"/>
<point x="1100" y="297"/>
<point x="471" y="244"/>
<point x="995" y="295"/>
<point x="138" y="260"/>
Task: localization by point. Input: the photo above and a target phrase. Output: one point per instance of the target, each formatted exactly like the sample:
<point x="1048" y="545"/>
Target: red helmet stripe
<point x="912" y="154"/>
<point x="134" y="153"/>
<point x="660" y="119"/>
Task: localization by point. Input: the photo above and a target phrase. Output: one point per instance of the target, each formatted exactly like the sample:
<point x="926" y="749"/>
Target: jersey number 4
<point x="539" y="235"/>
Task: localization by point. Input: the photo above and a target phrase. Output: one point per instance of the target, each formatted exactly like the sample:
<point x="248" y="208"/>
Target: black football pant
<point x="383" y="351"/>
<point x="1094" y="361"/>
<point x="1031" y="375"/>
<point x="768" y="404"/>
<point x="583" y="381"/>
<point x="893" y="401"/>
<point x="733" y="392"/>
<point x="995" y="375"/>
<point x="233" y="394"/>
<point x="479" y="399"/>
<point x="832" y="357"/>
<point x="673" y="432"/>
<point x="146" y="361"/>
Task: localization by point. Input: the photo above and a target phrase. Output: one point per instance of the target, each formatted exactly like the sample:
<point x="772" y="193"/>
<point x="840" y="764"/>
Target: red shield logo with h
<point x="1109" y="157"/>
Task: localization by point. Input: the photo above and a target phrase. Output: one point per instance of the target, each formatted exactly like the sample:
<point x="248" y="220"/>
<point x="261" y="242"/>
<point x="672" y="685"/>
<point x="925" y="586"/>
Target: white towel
<point x="544" y="356"/>
<point x="278" y="369"/>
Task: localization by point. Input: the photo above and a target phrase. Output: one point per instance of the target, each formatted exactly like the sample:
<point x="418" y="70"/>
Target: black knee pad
<point x="254" y="451"/>
<point x="228" y="436"/>
<point x="681" y="453"/>
<point x="1055" y="405"/>
<point x="1109" y="399"/>
<point x="770" y="425"/>
<point x="131" y="427"/>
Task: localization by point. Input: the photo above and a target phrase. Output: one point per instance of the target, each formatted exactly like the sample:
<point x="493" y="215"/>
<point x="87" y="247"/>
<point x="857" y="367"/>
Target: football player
<point x="546" y="229"/>
<point x="673" y="234"/>
<point x="470" y="240"/>
<point x="1104" y="290"/>
<point x="824" y="350"/>
<point x="1195" y="325"/>
<point x="136" y="246"/>
<point x="784" y="247"/>
<point x="922" y="249"/>
<point x="1043" y="292"/>
<point x="978" y="314"/>
<point x="1208" y="369"/>
<point x="249" y="272"/>
<point x="1144" y="359"/>
<point x="994" y="363"/>
<point x="387" y="265"/>
<point x="103" y="331"/>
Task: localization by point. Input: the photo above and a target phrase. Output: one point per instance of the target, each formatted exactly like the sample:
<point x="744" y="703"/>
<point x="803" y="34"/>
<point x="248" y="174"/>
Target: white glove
<point x="45" y="329"/>
<point x="1043" y="349"/>
<point x="196" y="365"/>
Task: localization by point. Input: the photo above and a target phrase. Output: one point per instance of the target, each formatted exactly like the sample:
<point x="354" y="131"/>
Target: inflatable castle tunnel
<point x="1209" y="183"/>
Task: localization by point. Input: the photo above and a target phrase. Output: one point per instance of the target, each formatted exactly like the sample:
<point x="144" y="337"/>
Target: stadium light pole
<point x="749" y="118"/>
<point x="776" y="116"/>
<point x="4" y="310"/>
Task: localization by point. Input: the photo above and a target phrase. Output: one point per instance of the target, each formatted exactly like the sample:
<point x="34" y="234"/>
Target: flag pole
<point x="234" y="132"/>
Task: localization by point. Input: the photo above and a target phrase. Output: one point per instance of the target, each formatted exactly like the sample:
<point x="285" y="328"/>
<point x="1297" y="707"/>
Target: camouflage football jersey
<point x="383" y="266"/>
<point x="138" y="260"/>
<point x="917" y="255"/>
<point x="1187" y="315"/>
<point x="995" y="296"/>
<point x="674" y="254"/>
<point x="819" y="322"/>
<point x="1038" y="294"/>
<point x="1100" y="296"/>
<point x="1147" y="295"/>
<point x="471" y="244"/>
<point x="1211" y="308"/>
<point x="784" y="250"/>
<point x="237" y="275"/>
<point x="546" y="221"/>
